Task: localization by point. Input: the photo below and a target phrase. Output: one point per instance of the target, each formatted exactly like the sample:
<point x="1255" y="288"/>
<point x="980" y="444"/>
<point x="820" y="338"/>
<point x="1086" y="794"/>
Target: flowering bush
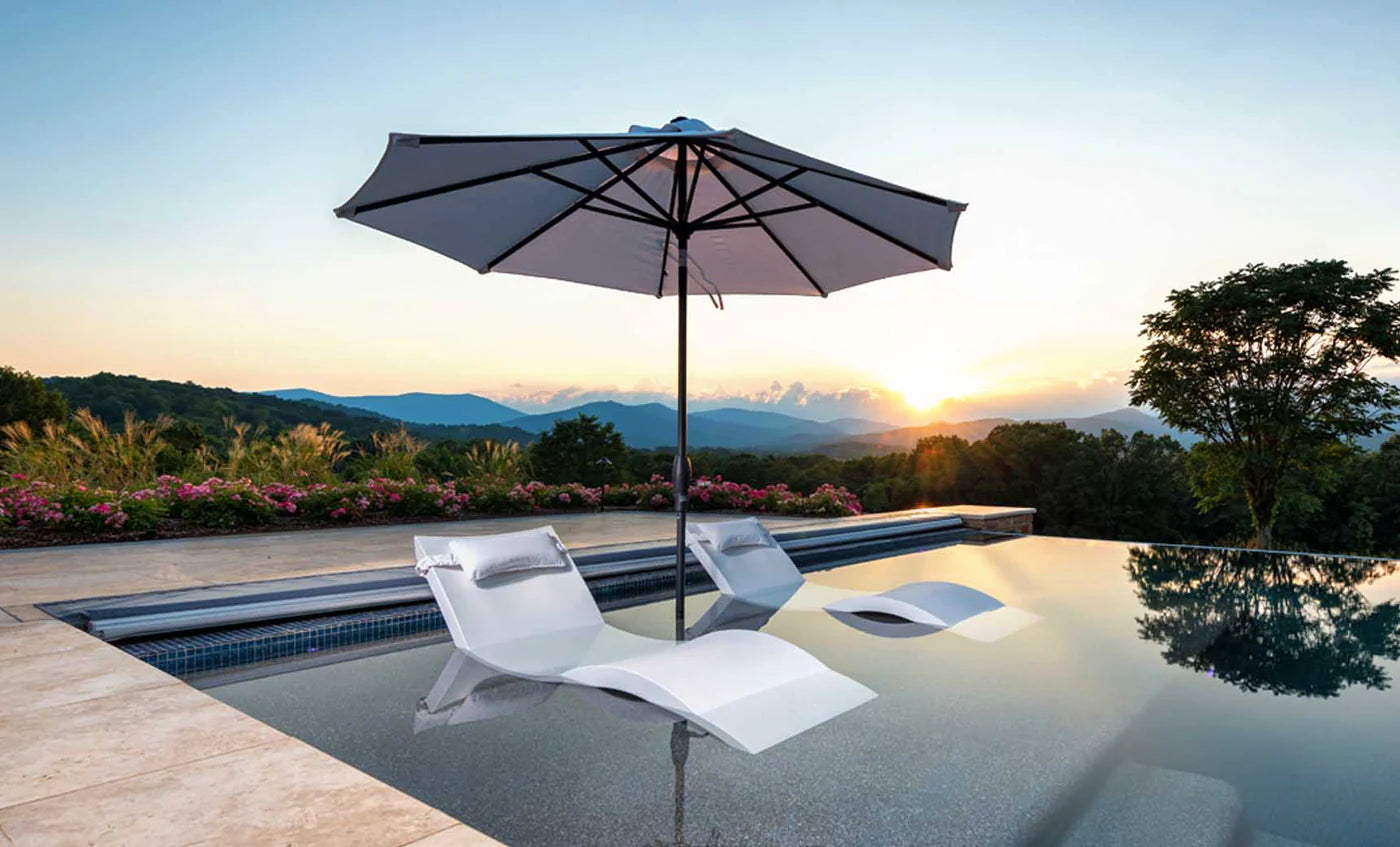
<point x="40" y="506"/>
<point x="176" y="504"/>
<point x="718" y="494"/>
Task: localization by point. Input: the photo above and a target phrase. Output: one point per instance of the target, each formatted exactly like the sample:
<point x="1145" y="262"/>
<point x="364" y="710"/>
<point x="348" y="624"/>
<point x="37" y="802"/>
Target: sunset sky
<point x="169" y="172"/>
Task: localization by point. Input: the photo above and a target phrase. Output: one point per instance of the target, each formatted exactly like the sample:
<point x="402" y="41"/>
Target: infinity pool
<point x="1166" y="696"/>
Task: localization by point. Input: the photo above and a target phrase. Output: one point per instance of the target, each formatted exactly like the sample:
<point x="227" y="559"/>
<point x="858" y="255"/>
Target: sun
<point x="927" y="386"/>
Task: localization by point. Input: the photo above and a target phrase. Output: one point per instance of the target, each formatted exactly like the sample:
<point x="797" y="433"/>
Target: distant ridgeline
<point x="109" y="396"/>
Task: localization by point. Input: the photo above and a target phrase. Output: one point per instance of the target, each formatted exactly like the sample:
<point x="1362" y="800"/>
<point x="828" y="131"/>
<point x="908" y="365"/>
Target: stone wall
<point x="995" y="518"/>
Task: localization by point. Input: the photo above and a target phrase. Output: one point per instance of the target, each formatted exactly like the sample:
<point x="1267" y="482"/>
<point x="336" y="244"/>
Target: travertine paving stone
<point x="26" y="613"/>
<point x="35" y="682"/>
<point x="53" y="751"/>
<point x="460" y="835"/>
<point x="41" y="637"/>
<point x="284" y="792"/>
<point x="98" y="747"/>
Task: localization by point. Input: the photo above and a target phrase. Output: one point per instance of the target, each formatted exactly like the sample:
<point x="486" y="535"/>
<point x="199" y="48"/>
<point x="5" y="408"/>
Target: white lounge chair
<point x="746" y="563"/>
<point x="517" y="603"/>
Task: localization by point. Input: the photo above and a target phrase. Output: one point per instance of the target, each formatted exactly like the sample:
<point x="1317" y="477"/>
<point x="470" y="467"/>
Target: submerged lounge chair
<point x="747" y="564"/>
<point x="517" y="603"/>
<point x="466" y="691"/>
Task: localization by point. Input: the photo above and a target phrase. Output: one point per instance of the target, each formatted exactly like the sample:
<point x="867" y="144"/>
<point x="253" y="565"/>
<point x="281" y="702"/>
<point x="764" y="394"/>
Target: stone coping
<point x="965" y="511"/>
<point x="102" y="748"/>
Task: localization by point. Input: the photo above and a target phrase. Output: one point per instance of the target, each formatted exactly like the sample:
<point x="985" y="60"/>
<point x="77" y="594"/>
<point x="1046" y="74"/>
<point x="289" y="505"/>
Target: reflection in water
<point x="681" y="735"/>
<point x="1293" y="625"/>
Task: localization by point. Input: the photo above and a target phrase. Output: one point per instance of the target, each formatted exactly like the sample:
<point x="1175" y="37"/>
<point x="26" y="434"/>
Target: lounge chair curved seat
<point x="538" y="620"/>
<point x="759" y="572"/>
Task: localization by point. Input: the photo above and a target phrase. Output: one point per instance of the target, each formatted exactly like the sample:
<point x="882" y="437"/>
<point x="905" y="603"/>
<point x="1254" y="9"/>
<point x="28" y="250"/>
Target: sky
<point x="169" y="171"/>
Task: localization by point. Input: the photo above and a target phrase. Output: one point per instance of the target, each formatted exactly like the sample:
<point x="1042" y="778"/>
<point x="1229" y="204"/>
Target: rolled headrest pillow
<point x="492" y="555"/>
<point x="726" y="536"/>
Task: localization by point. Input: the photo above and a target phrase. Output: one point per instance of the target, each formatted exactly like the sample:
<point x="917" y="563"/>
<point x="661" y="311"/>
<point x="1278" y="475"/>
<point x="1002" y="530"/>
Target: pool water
<point x="1167" y="695"/>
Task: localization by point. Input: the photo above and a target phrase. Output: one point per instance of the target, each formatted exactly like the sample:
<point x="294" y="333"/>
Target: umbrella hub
<point x="679" y="123"/>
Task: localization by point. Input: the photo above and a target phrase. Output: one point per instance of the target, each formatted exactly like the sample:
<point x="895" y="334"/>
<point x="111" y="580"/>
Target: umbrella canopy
<point x="680" y="209"/>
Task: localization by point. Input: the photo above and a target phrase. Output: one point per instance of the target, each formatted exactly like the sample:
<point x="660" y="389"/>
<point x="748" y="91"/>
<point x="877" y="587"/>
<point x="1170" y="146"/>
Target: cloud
<point x="1046" y="398"/>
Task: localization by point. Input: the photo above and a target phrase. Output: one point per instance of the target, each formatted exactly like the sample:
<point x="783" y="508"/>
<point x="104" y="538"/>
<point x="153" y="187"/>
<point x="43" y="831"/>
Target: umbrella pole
<point x="681" y="472"/>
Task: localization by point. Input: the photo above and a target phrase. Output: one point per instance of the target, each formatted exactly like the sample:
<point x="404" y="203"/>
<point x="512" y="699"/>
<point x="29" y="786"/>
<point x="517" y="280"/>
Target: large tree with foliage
<point x="573" y="450"/>
<point x="24" y="397"/>
<point x="1268" y="365"/>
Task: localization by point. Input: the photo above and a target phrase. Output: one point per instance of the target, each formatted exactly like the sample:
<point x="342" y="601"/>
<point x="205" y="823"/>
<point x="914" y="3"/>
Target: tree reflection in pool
<point x="1294" y="625"/>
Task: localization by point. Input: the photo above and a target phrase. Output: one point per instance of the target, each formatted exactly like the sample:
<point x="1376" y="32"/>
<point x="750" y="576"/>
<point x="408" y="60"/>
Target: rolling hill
<point x="651" y="425"/>
<point x="416" y="407"/>
<point x="109" y="396"/>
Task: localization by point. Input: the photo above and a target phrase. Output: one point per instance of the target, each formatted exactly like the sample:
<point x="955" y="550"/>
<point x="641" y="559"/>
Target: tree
<point x="572" y="449"/>
<point x="24" y="397"/>
<point x="1268" y="365"/>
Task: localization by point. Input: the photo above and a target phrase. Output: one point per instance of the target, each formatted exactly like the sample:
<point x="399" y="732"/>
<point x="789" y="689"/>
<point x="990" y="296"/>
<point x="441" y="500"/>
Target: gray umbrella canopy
<point x="677" y="209"/>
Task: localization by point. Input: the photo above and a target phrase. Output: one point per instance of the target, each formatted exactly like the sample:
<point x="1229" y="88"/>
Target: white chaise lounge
<point x="517" y="603"/>
<point x="746" y="562"/>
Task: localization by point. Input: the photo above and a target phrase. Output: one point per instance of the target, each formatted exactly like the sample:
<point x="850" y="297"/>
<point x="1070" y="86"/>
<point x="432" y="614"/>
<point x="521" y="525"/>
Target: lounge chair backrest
<point x="746" y="571"/>
<point x="508" y="606"/>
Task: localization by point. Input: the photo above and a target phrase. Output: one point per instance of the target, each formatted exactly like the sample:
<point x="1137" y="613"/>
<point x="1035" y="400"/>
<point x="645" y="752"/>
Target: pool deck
<point x="51" y="574"/>
<point x="99" y="747"/>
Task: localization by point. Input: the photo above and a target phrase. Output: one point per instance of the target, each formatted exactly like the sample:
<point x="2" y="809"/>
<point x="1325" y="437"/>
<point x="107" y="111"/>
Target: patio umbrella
<point x="671" y="211"/>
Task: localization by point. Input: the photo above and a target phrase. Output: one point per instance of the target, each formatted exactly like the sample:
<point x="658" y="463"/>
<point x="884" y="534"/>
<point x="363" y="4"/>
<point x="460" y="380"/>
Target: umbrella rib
<point x="666" y="242"/>
<point x="484" y="180"/>
<point x="650" y="221"/>
<point x="651" y="137"/>
<point x="589" y="192"/>
<point x="767" y="231"/>
<point x="694" y="184"/>
<point x="752" y="219"/>
<point x="846" y="216"/>
<point x="626" y="177"/>
<point x="893" y="189"/>
<point x="710" y="215"/>
<point x="571" y="208"/>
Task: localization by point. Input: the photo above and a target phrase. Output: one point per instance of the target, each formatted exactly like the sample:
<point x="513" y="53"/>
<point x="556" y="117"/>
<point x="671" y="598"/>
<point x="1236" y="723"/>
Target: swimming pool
<point x="1167" y="695"/>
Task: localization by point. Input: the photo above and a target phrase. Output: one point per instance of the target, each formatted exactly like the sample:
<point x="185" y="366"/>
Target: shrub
<point x="394" y="454"/>
<point x="494" y="463"/>
<point x="217" y="503"/>
<point x="309" y="453"/>
<point x="85" y="451"/>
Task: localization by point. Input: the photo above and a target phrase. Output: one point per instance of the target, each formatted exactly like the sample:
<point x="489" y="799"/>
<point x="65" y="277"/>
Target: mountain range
<point x="415" y="407"/>
<point x="652" y="425"/>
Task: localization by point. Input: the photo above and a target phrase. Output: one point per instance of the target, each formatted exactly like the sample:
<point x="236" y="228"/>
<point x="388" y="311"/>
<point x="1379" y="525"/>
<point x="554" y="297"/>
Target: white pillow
<point x="732" y="535"/>
<point x="509" y="552"/>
